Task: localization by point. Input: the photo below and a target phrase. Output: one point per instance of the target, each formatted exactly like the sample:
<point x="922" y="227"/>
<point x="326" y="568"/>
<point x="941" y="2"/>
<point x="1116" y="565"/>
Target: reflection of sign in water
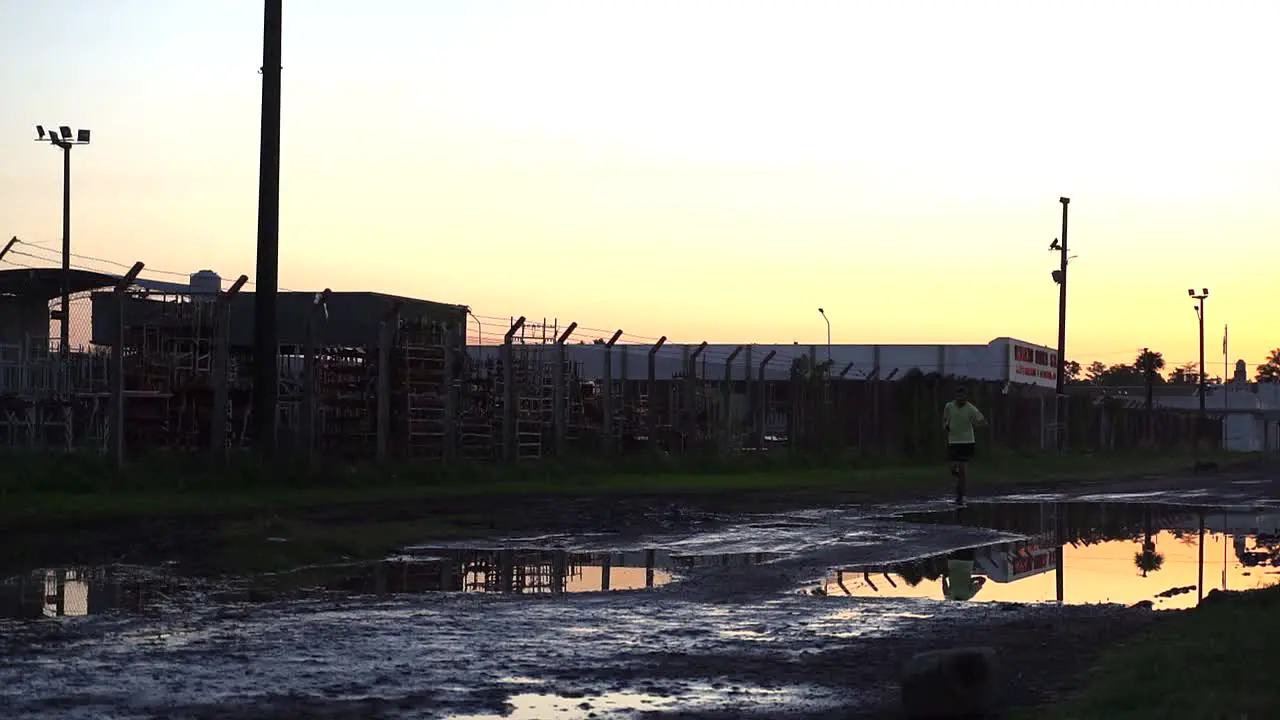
<point x="1013" y="561"/>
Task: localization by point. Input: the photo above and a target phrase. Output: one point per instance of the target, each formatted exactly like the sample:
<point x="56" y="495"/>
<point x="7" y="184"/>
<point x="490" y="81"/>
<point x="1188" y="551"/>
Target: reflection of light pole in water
<point x="1059" y="555"/>
<point x="823" y="313"/>
<point x="1200" y="577"/>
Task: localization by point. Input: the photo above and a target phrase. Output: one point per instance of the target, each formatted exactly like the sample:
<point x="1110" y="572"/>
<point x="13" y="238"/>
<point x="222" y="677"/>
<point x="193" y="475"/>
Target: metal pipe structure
<point x="64" y="139"/>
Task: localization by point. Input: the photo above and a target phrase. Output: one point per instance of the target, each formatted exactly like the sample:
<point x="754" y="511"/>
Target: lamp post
<point x="1199" y="306"/>
<point x="1060" y="277"/>
<point x="64" y="139"/>
<point x="823" y="313"/>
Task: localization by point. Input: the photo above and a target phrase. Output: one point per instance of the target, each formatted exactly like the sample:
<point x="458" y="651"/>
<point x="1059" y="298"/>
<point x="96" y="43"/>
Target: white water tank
<point x="205" y="285"/>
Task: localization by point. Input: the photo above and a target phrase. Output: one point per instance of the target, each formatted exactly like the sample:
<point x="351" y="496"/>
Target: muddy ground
<point x="750" y="641"/>
<point x="196" y="542"/>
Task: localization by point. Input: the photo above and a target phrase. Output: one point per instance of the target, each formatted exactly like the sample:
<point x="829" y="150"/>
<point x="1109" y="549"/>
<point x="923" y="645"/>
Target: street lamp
<point x="64" y="139"/>
<point x="823" y="313"/>
<point x="1199" y="306"/>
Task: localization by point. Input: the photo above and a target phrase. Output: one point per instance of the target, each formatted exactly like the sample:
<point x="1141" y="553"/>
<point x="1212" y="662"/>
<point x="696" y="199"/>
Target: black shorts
<point x="960" y="452"/>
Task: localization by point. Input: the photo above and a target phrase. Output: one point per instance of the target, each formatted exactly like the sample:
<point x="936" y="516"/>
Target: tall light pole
<point x="1060" y="277"/>
<point x="1199" y="306"/>
<point x="823" y="313"/>
<point x="266" y="346"/>
<point x="64" y="139"/>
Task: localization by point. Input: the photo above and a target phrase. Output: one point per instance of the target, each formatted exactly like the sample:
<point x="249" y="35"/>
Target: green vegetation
<point x="248" y="517"/>
<point x="1211" y="662"/>
<point x="41" y="486"/>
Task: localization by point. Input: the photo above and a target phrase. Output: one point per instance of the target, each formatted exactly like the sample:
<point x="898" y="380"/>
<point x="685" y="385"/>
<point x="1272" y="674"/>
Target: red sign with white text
<point x="1032" y="365"/>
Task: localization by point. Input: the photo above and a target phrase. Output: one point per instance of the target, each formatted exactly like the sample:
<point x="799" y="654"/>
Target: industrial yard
<point x="366" y="376"/>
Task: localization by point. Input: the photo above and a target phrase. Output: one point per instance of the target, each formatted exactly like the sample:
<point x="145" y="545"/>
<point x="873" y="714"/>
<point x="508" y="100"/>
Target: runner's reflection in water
<point x="959" y="582"/>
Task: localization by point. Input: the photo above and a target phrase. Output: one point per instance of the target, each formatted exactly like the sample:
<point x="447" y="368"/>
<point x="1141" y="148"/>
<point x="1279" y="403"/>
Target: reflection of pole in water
<point x="506" y="570"/>
<point x="606" y="569"/>
<point x="1059" y="555"/>
<point x="1226" y="540"/>
<point x="447" y="568"/>
<point x="559" y="565"/>
<point x="1200" y="575"/>
<point x="61" y="606"/>
<point x="649" y="559"/>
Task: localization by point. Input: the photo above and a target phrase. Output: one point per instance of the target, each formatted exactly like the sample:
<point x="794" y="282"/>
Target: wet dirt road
<point x="798" y="614"/>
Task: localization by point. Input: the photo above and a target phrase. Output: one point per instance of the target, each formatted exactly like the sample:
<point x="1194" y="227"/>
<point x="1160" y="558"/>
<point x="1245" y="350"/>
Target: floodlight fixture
<point x="63" y="136"/>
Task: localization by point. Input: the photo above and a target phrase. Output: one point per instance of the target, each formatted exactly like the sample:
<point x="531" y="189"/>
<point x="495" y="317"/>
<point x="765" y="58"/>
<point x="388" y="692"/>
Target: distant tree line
<point x="1150" y="366"/>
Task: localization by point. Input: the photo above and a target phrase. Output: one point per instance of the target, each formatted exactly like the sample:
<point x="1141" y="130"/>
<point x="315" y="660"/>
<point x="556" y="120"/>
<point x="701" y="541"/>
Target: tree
<point x="1122" y="375"/>
<point x="1150" y="361"/>
<point x="1185" y="374"/>
<point x="1095" y="372"/>
<point x="1071" y="369"/>
<point x="1269" y="371"/>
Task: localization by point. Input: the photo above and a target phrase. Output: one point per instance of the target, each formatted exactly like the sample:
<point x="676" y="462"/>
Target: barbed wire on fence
<point x="492" y="328"/>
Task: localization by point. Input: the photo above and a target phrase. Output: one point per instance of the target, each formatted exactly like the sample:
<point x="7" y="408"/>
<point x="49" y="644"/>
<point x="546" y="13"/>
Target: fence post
<point x="510" y="444"/>
<point x="559" y="392"/>
<point x="727" y="400"/>
<point x="748" y="385"/>
<point x="310" y="384"/>
<point x="760" y="408"/>
<point x="606" y="394"/>
<point x="117" y="367"/>
<point x="651" y="414"/>
<point x="387" y="329"/>
<point x="624" y="352"/>
<point x="691" y="396"/>
<point x="222" y="368"/>
<point x="448" y="389"/>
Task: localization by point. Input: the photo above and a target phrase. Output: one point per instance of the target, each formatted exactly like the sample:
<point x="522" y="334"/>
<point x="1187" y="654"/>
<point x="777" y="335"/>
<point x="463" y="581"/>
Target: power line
<point x="57" y="260"/>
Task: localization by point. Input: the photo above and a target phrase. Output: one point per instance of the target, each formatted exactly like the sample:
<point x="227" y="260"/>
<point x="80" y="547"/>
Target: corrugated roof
<point x="46" y="283"/>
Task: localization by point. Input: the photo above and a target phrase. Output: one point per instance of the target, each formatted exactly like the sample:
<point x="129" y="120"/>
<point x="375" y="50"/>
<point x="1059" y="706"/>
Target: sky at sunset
<point x="702" y="170"/>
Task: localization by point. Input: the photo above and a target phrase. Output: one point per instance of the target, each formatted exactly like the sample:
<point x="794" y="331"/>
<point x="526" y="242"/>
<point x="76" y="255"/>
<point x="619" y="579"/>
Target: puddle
<point x="1083" y="553"/>
<point x="532" y="571"/>
<point x="77" y="592"/>
<point x="535" y="706"/>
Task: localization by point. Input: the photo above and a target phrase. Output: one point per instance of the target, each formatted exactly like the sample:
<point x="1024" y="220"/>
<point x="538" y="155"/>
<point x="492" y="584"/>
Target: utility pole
<point x="266" y="346"/>
<point x="1148" y="374"/>
<point x="1060" y="277"/>
<point x="1199" y="307"/>
<point x="1149" y="378"/>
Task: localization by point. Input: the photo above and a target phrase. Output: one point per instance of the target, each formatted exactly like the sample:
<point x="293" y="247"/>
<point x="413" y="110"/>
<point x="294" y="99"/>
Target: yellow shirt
<point x="960" y="419"/>
<point x="960" y="584"/>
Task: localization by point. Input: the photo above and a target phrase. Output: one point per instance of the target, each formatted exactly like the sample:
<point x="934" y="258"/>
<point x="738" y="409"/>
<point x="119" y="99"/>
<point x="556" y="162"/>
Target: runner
<point x="959" y="418"/>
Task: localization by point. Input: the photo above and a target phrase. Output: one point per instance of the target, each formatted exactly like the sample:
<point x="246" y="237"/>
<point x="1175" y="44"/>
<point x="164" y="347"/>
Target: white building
<point x="1251" y="411"/>
<point x="1002" y="360"/>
